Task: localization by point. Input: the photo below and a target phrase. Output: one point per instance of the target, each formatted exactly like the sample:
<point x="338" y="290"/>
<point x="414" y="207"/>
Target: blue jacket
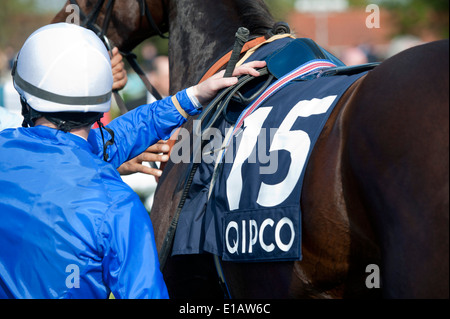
<point x="69" y="226"/>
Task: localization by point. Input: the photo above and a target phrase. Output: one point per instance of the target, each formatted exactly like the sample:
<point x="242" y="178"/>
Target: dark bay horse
<point x="376" y="186"/>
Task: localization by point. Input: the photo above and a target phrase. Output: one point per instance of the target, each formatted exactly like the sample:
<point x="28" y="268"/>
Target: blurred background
<point x="356" y="31"/>
<point x="340" y="26"/>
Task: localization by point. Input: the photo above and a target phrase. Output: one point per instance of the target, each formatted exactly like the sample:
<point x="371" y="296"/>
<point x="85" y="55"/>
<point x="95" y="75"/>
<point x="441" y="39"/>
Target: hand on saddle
<point x="118" y="70"/>
<point x="208" y="89"/>
<point x="156" y="153"/>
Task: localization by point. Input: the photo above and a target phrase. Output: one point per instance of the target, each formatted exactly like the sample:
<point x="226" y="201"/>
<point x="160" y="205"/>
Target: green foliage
<point x="280" y="8"/>
<point x="415" y="16"/>
<point x="359" y="3"/>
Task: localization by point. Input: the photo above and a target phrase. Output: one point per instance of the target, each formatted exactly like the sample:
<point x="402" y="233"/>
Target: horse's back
<point x="398" y="153"/>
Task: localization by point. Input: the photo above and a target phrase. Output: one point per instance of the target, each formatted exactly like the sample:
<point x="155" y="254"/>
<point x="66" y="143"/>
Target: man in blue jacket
<point x="69" y="226"/>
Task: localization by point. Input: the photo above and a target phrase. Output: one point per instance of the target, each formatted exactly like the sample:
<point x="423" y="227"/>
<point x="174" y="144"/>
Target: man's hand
<point x="204" y="92"/>
<point x="155" y="153"/>
<point x="208" y="89"/>
<point x="118" y="70"/>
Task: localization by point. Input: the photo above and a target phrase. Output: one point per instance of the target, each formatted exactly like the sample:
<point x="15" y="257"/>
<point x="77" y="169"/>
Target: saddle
<point x="303" y="50"/>
<point x="230" y="102"/>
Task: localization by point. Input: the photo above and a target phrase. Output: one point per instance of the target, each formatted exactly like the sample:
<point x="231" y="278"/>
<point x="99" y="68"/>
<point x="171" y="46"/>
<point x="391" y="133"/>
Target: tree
<point x="280" y="8"/>
<point x="419" y="16"/>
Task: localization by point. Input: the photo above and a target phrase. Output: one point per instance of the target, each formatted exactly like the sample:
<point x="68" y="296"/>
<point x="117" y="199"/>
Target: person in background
<point x="354" y="56"/>
<point x="158" y="76"/>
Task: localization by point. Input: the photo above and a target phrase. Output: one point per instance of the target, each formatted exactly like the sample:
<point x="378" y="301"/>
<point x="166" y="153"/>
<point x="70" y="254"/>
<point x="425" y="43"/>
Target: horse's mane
<point x="256" y="15"/>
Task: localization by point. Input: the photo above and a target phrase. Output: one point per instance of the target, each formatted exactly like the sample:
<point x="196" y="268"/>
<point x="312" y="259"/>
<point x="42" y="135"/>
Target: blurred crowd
<point x="366" y="53"/>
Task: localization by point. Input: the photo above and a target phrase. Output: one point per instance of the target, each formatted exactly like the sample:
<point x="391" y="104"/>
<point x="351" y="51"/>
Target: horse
<point x="376" y="187"/>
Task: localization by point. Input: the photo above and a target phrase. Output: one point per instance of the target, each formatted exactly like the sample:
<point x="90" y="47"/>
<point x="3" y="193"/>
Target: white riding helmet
<point x="64" y="68"/>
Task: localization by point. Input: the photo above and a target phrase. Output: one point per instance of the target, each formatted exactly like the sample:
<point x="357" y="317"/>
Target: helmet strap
<point x="110" y="142"/>
<point x="64" y="121"/>
<point x="29" y="114"/>
<point x="67" y="121"/>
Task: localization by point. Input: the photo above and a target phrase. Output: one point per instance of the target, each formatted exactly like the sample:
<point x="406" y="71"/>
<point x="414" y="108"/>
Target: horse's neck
<point x="201" y="31"/>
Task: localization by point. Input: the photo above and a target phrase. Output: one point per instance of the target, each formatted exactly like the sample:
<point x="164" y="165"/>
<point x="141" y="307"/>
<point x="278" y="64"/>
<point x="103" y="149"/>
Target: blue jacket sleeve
<point x="130" y="259"/>
<point x="142" y="127"/>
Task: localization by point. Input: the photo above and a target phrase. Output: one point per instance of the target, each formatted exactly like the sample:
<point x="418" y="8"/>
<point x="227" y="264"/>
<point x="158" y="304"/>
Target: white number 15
<point x="297" y="143"/>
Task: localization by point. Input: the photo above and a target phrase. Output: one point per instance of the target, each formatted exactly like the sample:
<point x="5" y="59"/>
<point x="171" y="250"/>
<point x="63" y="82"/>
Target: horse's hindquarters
<point x="398" y="150"/>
